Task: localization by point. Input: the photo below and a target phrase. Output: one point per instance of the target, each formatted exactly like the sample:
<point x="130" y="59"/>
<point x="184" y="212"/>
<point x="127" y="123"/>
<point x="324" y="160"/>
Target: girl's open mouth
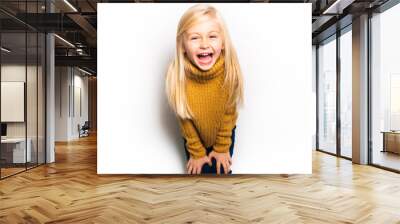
<point x="205" y="58"/>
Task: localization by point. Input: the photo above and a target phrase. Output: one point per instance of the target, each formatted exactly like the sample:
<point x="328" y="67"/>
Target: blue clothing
<point x="212" y="169"/>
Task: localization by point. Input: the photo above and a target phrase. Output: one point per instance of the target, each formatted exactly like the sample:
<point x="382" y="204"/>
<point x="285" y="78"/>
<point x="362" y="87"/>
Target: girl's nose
<point x="204" y="44"/>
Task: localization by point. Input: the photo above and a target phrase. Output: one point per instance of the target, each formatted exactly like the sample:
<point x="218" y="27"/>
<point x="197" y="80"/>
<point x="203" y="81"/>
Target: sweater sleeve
<point x="223" y="140"/>
<point x="193" y="142"/>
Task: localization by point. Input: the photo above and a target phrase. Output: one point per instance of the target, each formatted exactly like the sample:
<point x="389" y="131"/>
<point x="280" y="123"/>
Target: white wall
<point x="137" y="131"/>
<point x="80" y="88"/>
<point x="68" y="83"/>
<point x="15" y="72"/>
<point x="61" y="103"/>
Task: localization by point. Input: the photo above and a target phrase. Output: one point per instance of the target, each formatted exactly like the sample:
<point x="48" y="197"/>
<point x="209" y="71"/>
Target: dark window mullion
<point x="45" y="87"/>
<point x="26" y="86"/>
<point x="317" y="95"/>
<point x="37" y="90"/>
<point x="0" y="97"/>
<point x="369" y="90"/>
<point x="338" y="92"/>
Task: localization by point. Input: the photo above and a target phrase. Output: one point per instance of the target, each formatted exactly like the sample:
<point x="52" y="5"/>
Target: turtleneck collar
<point x="194" y="72"/>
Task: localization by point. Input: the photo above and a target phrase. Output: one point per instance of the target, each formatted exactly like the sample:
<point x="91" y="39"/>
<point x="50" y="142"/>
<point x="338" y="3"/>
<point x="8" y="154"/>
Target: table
<point x="15" y="148"/>
<point x="391" y="141"/>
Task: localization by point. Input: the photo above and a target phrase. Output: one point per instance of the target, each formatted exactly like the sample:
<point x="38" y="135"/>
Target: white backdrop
<point x="137" y="132"/>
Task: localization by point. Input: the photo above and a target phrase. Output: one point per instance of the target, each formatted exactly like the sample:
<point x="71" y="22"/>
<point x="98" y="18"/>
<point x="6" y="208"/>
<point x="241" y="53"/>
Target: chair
<point x="84" y="130"/>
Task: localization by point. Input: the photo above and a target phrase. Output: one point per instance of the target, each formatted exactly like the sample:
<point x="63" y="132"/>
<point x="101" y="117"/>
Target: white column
<point x="360" y="90"/>
<point x="50" y="93"/>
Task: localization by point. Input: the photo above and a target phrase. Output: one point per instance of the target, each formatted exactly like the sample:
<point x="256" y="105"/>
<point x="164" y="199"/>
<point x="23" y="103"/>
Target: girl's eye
<point x="194" y="38"/>
<point x="213" y="36"/>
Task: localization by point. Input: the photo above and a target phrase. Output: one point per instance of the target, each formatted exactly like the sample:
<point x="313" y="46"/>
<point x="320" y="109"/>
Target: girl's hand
<point x="223" y="159"/>
<point x="194" y="166"/>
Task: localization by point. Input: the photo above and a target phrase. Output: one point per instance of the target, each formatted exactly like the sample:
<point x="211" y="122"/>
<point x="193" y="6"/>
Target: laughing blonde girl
<point x="204" y="87"/>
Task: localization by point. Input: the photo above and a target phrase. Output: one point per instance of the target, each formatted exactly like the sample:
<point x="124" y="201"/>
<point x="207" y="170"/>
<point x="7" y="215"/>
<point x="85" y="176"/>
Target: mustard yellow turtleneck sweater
<point x="213" y="122"/>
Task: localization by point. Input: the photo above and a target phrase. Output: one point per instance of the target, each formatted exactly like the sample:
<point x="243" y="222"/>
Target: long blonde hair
<point x="176" y="78"/>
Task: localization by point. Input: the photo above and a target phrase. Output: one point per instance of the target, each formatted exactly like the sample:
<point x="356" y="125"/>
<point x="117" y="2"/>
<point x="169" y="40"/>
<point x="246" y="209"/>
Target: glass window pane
<point x="386" y="88"/>
<point x="327" y="96"/>
<point x="32" y="95"/>
<point x="346" y="94"/>
<point x="22" y="88"/>
<point x="14" y="153"/>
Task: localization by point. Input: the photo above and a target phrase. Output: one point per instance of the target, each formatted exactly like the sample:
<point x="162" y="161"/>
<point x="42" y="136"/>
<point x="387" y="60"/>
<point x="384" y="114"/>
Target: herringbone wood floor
<point x="70" y="191"/>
